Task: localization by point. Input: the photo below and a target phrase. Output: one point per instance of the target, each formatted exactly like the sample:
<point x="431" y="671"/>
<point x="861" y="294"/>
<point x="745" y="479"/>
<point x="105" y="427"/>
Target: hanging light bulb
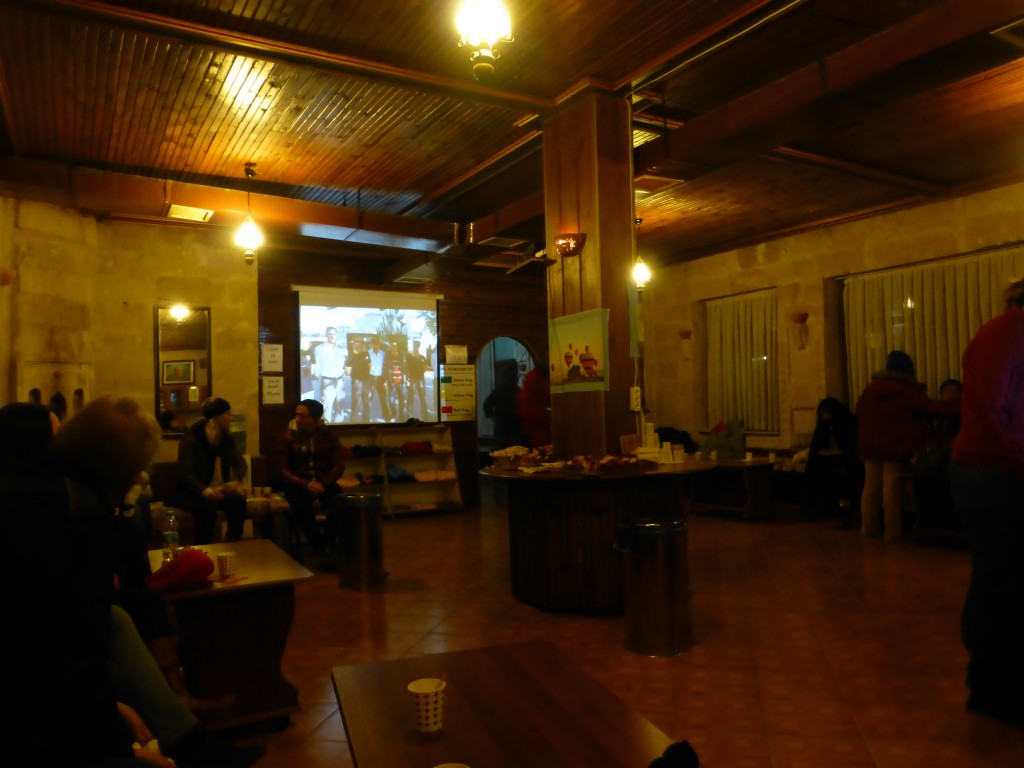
<point x="179" y="312"/>
<point x="482" y="24"/>
<point x="248" y="235"/>
<point x="641" y="274"/>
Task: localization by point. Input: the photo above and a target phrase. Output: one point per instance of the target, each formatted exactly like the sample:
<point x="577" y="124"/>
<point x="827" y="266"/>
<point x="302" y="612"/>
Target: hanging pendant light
<point x="482" y="24"/>
<point x="248" y="235"/>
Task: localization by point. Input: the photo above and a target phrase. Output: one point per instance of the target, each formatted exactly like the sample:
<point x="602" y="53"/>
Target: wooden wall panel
<point x="479" y="304"/>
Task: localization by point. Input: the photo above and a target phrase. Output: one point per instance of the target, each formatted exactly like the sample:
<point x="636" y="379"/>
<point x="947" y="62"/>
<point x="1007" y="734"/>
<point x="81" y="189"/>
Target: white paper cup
<point x="678" y="454"/>
<point x="750" y="455"/>
<point x="428" y="702"/>
<point x="714" y="455"/>
<point x="226" y="564"/>
<point x="771" y="457"/>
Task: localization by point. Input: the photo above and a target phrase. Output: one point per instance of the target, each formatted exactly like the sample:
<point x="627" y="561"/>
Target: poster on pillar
<point x="578" y="346"/>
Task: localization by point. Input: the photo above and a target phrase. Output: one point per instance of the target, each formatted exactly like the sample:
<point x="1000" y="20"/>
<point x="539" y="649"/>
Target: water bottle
<point x="170" y="535"/>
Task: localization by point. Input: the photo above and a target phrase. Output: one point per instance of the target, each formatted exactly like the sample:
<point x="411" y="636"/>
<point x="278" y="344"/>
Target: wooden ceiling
<point x="753" y="119"/>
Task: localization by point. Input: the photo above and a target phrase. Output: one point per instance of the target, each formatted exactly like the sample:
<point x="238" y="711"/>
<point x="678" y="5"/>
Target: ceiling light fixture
<point x="570" y="244"/>
<point x="482" y="24"/>
<point x="248" y="235"/>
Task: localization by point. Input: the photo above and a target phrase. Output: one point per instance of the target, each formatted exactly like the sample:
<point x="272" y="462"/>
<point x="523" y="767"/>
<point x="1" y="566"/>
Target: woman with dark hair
<point x="835" y="475"/>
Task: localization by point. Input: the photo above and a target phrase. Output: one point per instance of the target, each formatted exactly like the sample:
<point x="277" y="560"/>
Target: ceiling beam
<point x="106" y="194"/>
<point x="860" y="171"/>
<point x="739" y="128"/>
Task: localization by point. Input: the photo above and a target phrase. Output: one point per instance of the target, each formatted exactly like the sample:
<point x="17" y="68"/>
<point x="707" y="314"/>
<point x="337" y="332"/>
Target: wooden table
<point x="233" y="635"/>
<point x="508" y="706"/>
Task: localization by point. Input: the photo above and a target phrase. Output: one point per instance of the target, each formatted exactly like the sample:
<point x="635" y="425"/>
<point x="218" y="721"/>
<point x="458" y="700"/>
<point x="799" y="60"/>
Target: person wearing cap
<point x="892" y="421"/>
<point x="203" y="490"/>
<point x="987" y="480"/>
<point x="309" y="463"/>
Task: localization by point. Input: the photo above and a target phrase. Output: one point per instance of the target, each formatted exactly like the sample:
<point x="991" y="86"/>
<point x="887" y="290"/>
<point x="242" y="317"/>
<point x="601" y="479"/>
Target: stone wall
<point x="79" y="313"/>
<point x="804" y="270"/>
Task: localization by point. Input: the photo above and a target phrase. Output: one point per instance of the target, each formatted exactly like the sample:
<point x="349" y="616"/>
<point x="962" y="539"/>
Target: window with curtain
<point x="743" y="378"/>
<point x="929" y="311"/>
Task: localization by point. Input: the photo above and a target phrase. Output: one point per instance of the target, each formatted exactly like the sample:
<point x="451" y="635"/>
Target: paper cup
<point x="226" y="564"/>
<point x="714" y="455"/>
<point x="428" y="702"/>
<point x="750" y="455"/>
<point x="771" y="457"/>
<point x="678" y="454"/>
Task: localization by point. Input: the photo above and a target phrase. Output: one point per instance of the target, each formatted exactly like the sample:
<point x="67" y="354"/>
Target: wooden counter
<point x="562" y="525"/>
<point x="562" y="530"/>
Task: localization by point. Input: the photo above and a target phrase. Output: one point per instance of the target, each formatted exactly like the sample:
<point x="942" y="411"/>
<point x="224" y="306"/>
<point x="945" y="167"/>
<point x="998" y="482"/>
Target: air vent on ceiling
<point x="1012" y="33"/>
<point x="409" y="280"/>
<point x="188" y="213"/>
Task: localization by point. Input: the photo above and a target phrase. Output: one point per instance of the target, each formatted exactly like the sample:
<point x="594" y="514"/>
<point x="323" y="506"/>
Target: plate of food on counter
<point x="609" y="464"/>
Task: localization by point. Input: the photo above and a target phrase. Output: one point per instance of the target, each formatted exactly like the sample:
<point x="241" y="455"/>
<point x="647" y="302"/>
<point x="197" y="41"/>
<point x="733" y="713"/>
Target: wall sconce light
<point x="641" y="274"/>
<point x="570" y="244"/>
<point x="800" y="328"/>
<point x="248" y="235"/>
<point x="482" y="24"/>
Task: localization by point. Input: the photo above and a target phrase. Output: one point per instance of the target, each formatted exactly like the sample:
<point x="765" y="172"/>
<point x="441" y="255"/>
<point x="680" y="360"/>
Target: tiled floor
<point x="812" y="647"/>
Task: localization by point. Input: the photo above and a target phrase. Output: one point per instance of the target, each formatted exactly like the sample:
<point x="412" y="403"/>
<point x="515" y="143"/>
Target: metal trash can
<point x="656" y="587"/>
<point x="360" y="541"/>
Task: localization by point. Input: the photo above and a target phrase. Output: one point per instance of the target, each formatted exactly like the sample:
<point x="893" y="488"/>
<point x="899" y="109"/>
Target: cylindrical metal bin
<point x="360" y="541"/>
<point x="656" y="587"/>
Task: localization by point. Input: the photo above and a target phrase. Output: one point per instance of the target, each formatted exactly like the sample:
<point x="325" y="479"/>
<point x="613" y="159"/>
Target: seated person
<point x="835" y="476"/>
<point x="206" y="443"/>
<point x="71" y="480"/>
<point x="309" y="464"/>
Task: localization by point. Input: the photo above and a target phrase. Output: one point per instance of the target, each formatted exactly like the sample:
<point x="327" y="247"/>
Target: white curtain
<point x="743" y="378"/>
<point x="929" y="311"/>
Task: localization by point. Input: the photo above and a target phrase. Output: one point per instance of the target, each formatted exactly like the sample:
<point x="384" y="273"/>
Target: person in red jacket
<point x="892" y="421"/>
<point x="987" y="480"/>
<point x="534" y="407"/>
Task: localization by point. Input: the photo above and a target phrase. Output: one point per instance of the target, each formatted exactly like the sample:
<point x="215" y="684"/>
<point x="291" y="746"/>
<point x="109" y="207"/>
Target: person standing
<point x="359" y="372"/>
<point x="202" y="490"/>
<point x="377" y="357"/>
<point x="309" y="463"/>
<point x="533" y="407"/>
<point x="987" y="480"/>
<point x="329" y="367"/>
<point x="415" y="370"/>
<point x="892" y="420"/>
<point x="394" y="365"/>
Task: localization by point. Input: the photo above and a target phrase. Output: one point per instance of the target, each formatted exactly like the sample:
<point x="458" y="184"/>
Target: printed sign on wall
<point x="458" y="392"/>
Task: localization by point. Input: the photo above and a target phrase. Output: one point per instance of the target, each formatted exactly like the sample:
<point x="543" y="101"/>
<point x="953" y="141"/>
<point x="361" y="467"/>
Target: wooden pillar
<point x="588" y="188"/>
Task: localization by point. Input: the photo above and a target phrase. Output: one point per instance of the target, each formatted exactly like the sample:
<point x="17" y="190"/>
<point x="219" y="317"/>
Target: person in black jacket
<point x="206" y="442"/>
<point x="835" y="475"/>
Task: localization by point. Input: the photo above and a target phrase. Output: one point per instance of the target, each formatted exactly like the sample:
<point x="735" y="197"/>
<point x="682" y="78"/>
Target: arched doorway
<point x="500" y="368"/>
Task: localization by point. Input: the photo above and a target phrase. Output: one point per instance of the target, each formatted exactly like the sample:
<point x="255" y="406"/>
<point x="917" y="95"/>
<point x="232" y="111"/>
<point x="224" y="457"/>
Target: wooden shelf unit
<point x="399" y="497"/>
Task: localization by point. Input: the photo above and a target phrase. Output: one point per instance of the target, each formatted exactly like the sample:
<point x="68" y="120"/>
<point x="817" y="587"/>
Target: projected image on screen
<point x="369" y="356"/>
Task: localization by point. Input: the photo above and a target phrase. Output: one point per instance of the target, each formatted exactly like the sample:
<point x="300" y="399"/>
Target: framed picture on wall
<point x="179" y="371"/>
